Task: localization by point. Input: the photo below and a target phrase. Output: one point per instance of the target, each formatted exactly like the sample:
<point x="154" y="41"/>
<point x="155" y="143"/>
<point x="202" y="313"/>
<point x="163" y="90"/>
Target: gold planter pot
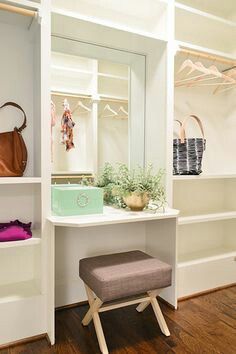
<point x="136" y="201"/>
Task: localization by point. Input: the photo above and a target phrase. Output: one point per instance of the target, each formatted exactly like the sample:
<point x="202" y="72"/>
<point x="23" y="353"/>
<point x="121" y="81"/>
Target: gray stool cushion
<point x="121" y="275"/>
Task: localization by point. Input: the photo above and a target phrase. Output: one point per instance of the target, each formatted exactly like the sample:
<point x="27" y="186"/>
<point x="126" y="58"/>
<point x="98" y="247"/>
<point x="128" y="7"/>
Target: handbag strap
<point x="181" y="124"/>
<point x="24" y="125"/>
<point x="182" y="129"/>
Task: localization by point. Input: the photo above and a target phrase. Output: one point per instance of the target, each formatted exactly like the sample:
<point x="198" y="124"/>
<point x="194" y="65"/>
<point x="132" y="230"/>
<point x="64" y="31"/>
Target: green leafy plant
<point x="120" y="182"/>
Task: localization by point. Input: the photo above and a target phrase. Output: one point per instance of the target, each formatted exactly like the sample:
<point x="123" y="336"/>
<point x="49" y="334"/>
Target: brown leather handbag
<point x="13" y="152"/>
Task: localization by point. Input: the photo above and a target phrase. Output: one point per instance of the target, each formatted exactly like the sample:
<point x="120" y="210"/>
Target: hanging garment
<point x="67" y="126"/>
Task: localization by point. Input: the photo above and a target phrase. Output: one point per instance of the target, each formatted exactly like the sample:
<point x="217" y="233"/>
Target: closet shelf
<point x="71" y="70"/>
<point x="35" y="240"/>
<point x="72" y="173"/>
<point x="203" y="177"/>
<point x="115" y="77"/>
<point x="20" y="180"/>
<point x="108" y="97"/>
<point x="162" y="4"/>
<point x="204" y="256"/>
<point x="207" y="15"/>
<point x="184" y="220"/>
<point x="27" y="3"/>
<point x="18" y="291"/>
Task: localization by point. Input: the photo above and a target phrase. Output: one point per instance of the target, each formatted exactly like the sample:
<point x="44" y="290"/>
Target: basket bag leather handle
<point x="23" y="126"/>
<point x="182" y="129"/>
<point x="181" y="124"/>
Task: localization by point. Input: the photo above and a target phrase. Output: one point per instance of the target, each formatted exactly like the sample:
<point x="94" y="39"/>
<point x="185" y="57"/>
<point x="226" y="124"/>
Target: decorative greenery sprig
<point x="120" y="182"/>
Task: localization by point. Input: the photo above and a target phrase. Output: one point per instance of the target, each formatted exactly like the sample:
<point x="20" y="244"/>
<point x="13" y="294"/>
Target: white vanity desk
<point x="113" y="231"/>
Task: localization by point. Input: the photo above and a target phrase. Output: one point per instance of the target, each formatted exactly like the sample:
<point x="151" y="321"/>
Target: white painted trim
<point x="111" y="216"/>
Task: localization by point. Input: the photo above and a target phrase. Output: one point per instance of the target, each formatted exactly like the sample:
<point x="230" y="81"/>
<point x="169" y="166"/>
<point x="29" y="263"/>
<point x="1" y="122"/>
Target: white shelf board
<point x="107" y="23"/>
<point x="18" y="291"/>
<point x="193" y="219"/>
<point x="66" y="173"/>
<point x="72" y="70"/>
<point x="111" y="216"/>
<point x="20" y="180"/>
<point x="115" y="77"/>
<point x="25" y="3"/>
<point x="192" y="10"/>
<point x="202" y="177"/>
<point x="34" y="240"/>
<point x="204" y="256"/>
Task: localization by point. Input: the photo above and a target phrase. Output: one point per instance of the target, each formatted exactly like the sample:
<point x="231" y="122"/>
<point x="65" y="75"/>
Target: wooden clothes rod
<point x="102" y="99"/>
<point x="73" y="95"/>
<point x="17" y="10"/>
<point x="113" y="100"/>
<point x="207" y="56"/>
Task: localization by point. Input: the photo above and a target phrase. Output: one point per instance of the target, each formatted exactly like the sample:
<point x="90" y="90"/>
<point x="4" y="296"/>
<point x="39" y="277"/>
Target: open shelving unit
<point x="206" y="236"/>
<point x="149" y="19"/>
<point x="218" y="36"/>
<point x="23" y="303"/>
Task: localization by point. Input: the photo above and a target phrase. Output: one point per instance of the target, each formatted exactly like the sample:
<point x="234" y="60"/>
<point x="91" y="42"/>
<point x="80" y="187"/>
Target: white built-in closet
<point x="202" y="251"/>
<point x="207" y="203"/>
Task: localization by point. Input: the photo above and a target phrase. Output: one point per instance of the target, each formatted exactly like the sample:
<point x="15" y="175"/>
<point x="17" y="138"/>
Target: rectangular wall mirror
<point x="98" y="108"/>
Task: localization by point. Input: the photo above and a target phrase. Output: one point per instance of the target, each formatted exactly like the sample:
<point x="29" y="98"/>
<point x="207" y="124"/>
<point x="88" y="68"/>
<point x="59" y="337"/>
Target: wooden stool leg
<point x="100" y="334"/>
<point x="159" y="317"/>
<point x="92" y="313"/>
<point x="143" y="305"/>
<point x="89" y="315"/>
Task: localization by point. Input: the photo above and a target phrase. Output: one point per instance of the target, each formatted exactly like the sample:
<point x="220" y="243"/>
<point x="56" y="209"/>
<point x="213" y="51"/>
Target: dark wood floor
<point x="203" y="325"/>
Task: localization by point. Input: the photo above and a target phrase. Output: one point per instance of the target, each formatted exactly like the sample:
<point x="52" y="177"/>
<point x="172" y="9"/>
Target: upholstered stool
<point x="119" y="276"/>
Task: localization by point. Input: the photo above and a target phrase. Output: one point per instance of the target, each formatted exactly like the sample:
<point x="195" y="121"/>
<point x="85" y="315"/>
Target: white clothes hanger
<point x="197" y="80"/>
<point x="194" y="66"/>
<point x="231" y="73"/>
<point x="121" y="109"/>
<point x="82" y="105"/>
<point x="122" y="113"/>
<point x="112" y="112"/>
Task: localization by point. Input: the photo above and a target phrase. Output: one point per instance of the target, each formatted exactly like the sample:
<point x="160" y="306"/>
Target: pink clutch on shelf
<point x="15" y="231"/>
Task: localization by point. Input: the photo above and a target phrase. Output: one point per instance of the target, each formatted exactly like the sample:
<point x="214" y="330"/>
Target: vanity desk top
<point x="112" y="216"/>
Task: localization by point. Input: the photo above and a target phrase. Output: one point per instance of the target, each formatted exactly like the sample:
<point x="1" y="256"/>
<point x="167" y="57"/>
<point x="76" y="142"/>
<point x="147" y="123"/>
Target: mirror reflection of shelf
<point x="70" y="70"/>
<point x="110" y="76"/>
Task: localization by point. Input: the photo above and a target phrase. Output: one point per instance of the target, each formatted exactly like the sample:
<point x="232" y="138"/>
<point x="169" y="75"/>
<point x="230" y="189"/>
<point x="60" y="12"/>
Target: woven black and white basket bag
<point x="188" y="152"/>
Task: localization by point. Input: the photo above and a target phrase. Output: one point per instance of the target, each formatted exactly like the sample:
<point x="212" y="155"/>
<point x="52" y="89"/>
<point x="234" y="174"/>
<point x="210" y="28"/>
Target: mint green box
<point x="73" y="199"/>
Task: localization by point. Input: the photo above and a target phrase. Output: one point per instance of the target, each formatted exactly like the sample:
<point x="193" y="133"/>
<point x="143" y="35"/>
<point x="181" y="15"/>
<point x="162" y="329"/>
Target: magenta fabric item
<point x="15" y="231"/>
